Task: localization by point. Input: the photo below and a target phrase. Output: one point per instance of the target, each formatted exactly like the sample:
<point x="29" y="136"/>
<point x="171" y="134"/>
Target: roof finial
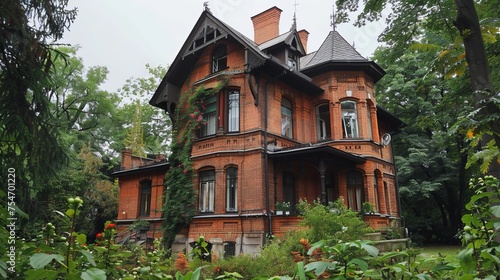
<point x="294" y="24"/>
<point x="205" y="6"/>
<point x="332" y="17"/>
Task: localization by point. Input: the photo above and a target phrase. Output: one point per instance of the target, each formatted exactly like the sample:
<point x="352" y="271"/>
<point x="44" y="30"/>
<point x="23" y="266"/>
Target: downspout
<point x="396" y="181"/>
<point x="266" y="165"/>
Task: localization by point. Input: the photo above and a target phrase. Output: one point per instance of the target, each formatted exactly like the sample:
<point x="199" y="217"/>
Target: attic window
<point x="219" y="59"/>
<point x="206" y="35"/>
<point x="294" y="43"/>
<point x="292" y="62"/>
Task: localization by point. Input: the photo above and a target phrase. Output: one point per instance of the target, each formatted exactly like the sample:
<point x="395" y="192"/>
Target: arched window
<point x="323" y="122"/>
<point x="349" y="119"/>
<point x="231" y="189"/>
<point x="376" y="177"/>
<point x="207" y="191"/>
<point x="219" y="59"/>
<point x="355" y="190"/>
<point x="286" y="118"/>
<point x="386" y="193"/>
<point x="145" y="198"/>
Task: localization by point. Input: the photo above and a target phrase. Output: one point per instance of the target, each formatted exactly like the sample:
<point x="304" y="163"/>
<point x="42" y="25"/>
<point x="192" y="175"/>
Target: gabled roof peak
<point x="334" y="48"/>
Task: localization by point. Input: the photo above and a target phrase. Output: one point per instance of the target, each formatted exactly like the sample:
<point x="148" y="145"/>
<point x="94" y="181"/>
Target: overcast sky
<point x="125" y="35"/>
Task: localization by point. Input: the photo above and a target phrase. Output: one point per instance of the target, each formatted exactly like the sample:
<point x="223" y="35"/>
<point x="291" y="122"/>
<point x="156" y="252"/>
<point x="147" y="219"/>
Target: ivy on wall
<point x="180" y="197"/>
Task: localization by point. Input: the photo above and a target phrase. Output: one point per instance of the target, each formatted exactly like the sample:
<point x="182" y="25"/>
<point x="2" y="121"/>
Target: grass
<point x="449" y="252"/>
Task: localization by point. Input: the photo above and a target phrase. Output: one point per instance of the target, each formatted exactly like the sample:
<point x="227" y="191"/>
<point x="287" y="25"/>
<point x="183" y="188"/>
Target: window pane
<point x="289" y="189"/>
<point x="370" y="136"/>
<point x="209" y="117"/>
<point x="207" y="189"/>
<point x="323" y="122"/>
<point x="233" y="111"/>
<point x="286" y="118"/>
<point x="219" y="59"/>
<point x="354" y="190"/>
<point x="349" y="119"/>
<point x="231" y="189"/>
<point x="145" y="199"/>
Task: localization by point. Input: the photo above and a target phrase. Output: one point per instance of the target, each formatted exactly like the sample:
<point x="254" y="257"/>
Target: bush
<point x="334" y="222"/>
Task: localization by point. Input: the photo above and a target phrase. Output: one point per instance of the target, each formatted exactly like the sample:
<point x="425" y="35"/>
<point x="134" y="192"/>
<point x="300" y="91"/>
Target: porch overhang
<point x="309" y="151"/>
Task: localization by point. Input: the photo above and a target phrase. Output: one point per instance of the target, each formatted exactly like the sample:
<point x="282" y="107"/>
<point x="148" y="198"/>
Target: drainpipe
<point x="396" y="181"/>
<point x="266" y="165"/>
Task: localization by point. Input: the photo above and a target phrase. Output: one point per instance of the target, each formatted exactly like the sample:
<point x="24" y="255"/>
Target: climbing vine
<point x="180" y="197"/>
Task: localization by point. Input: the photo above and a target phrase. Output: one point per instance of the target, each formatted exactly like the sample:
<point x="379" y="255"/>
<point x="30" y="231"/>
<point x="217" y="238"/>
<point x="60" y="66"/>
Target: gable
<point x="207" y="32"/>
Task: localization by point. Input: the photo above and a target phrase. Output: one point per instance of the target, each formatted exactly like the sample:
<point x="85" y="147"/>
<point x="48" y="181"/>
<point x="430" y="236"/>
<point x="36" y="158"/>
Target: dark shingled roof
<point x="334" y="48"/>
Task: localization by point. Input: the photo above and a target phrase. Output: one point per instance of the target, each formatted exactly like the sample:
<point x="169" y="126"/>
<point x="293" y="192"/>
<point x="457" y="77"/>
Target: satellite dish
<point x="386" y="139"/>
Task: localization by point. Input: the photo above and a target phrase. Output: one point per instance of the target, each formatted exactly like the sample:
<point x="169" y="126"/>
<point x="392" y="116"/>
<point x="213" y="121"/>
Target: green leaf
<point x="466" y="260"/>
<point x="318" y="267"/>
<point x="370" y="249"/>
<point x="70" y="213"/>
<point x="40" y="260"/>
<point x="81" y="238"/>
<point x="495" y="210"/>
<point x="36" y="274"/>
<point x="94" y="274"/>
<point x="362" y="264"/>
<point x="89" y="256"/>
<point x="196" y="274"/>
<point x="301" y="272"/>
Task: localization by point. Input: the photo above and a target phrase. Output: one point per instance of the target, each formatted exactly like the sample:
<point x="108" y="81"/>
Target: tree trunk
<point x="467" y="22"/>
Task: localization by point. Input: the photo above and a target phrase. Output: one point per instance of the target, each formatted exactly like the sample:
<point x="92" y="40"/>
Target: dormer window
<point x="219" y="59"/>
<point x="292" y="62"/>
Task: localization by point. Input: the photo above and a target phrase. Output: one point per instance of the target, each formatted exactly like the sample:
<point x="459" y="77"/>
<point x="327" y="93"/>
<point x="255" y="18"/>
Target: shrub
<point x="334" y="222"/>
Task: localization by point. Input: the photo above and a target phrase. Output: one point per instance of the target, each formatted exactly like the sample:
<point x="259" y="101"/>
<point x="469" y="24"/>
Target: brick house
<point x="290" y="124"/>
<point x="140" y="197"/>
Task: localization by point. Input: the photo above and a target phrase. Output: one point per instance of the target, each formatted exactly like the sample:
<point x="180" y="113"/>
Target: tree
<point x="29" y="141"/>
<point x="156" y="127"/>
<point x="406" y="24"/>
<point x="134" y="138"/>
<point x="431" y="159"/>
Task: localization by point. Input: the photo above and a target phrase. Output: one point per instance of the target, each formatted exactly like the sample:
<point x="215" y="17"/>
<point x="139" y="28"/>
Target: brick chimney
<point x="127" y="158"/>
<point x="304" y="35"/>
<point x="266" y="25"/>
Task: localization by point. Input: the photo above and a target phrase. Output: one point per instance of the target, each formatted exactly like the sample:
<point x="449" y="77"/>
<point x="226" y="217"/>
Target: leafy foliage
<point x="180" y="197"/>
<point x="336" y="223"/>
<point x="430" y="155"/>
<point x="30" y="141"/>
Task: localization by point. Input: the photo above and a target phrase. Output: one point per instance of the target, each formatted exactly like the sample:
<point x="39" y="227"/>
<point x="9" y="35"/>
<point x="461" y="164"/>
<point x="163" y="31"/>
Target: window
<point x="219" y="59"/>
<point x="386" y="193"/>
<point x="349" y="119"/>
<point x="289" y="189"/>
<point x="207" y="191"/>
<point x="354" y="190"/>
<point x="292" y="62"/>
<point x="209" y="117"/>
<point x="375" y="192"/>
<point x="323" y="122"/>
<point x="286" y="118"/>
<point x="229" y="249"/>
<point x="233" y="111"/>
<point x="231" y="189"/>
<point x="145" y="198"/>
<point x="369" y="114"/>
